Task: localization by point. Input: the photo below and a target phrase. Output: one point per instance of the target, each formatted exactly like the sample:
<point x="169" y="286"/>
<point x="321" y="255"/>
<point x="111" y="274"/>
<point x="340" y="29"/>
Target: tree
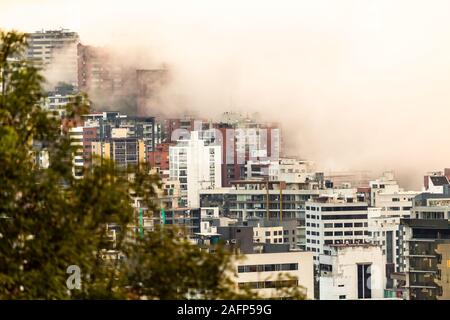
<point x="50" y="221"/>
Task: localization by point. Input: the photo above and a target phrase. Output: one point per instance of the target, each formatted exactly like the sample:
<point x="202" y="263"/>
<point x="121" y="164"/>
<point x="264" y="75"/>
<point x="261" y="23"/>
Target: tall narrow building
<point x="196" y="165"/>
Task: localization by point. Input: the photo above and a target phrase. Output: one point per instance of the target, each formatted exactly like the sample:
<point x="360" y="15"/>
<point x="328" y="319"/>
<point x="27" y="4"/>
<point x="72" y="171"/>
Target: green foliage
<point x="50" y="221"/>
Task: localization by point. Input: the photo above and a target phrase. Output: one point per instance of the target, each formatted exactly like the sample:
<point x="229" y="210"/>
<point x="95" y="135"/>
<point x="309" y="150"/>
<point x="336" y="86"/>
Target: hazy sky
<point x="356" y="84"/>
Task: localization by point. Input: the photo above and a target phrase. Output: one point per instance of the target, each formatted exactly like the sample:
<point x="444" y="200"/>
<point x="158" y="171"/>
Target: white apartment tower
<point x="197" y="166"/>
<point x="330" y="220"/>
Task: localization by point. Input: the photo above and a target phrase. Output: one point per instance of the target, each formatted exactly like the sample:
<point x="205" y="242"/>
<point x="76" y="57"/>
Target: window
<point x="342" y="297"/>
<point x="338" y="225"/>
<point x="344" y="216"/>
<point x="328" y="234"/>
<point x="364" y="290"/>
<point x="338" y="233"/>
<point x="328" y="225"/>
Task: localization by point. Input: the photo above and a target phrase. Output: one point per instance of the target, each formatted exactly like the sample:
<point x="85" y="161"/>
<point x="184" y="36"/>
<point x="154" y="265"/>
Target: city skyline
<point x="380" y="64"/>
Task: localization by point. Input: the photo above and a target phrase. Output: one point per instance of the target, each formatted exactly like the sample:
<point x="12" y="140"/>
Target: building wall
<point x="342" y="281"/>
<point x="335" y="222"/>
<point x="160" y="157"/>
<point x="304" y="272"/>
<point x="444" y="266"/>
<point x="76" y="140"/>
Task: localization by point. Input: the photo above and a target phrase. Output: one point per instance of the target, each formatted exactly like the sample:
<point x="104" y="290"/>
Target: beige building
<point x="264" y="272"/>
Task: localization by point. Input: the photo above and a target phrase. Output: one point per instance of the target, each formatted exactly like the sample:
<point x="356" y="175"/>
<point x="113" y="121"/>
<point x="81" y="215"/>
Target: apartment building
<point x="56" y="52"/>
<point x="384" y="231"/>
<point x="196" y="165"/>
<point x="271" y="203"/>
<point x="57" y="100"/>
<point x="123" y="151"/>
<point x="265" y="272"/>
<point x="432" y="205"/>
<point x="245" y="139"/>
<point x="425" y="259"/>
<point x="333" y="220"/>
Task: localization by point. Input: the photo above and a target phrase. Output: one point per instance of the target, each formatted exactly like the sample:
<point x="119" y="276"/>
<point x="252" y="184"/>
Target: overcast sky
<point x="356" y="84"/>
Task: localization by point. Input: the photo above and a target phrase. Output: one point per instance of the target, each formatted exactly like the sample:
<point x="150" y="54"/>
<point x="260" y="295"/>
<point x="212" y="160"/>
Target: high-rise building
<point x="149" y="83"/>
<point x="330" y="220"/>
<point x="56" y="52"/>
<point x="196" y="165"/>
<point x="244" y="141"/>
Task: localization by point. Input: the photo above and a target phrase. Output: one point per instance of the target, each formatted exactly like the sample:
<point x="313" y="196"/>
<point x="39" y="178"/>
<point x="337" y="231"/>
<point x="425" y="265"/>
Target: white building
<point x="331" y="220"/>
<point x="387" y="195"/>
<point x="352" y="272"/>
<point x="395" y="203"/>
<point x="386" y="184"/>
<point x="76" y="140"/>
<point x="291" y="170"/>
<point x="56" y="51"/>
<point x="197" y="166"/>
<point x="434" y="182"/>
<point x="383" y="231"/>
<point x="263" y="272"/>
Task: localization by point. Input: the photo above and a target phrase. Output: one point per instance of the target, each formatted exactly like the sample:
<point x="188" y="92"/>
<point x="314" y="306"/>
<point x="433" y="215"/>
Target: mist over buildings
<point x="355" y="84"/>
